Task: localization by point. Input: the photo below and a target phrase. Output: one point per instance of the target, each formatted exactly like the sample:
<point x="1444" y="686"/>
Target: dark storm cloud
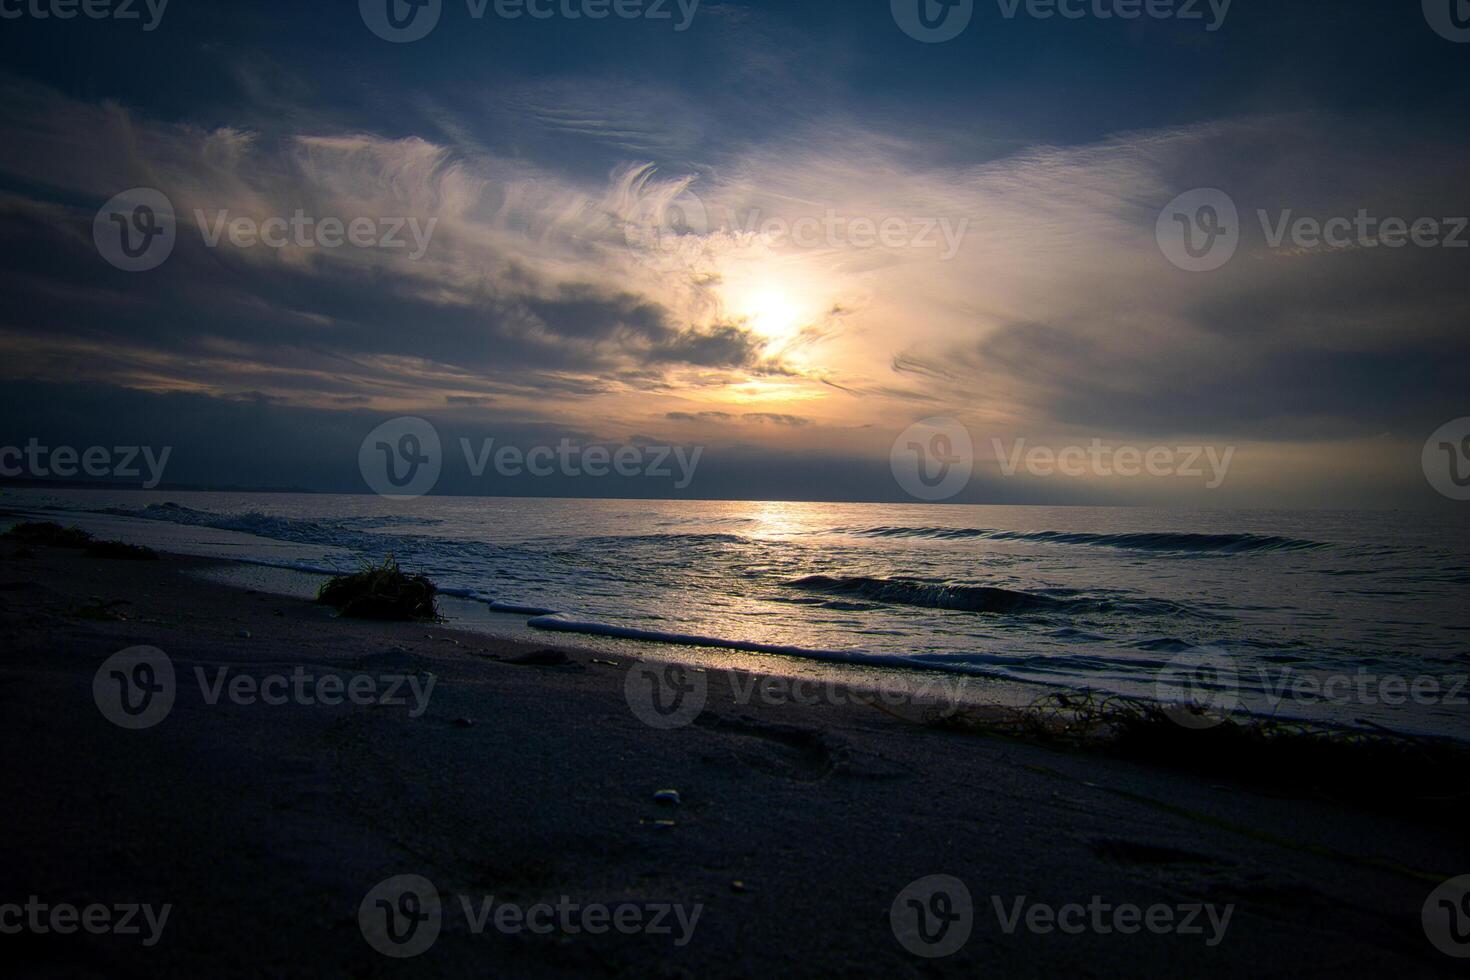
<point x="240" y="319"/>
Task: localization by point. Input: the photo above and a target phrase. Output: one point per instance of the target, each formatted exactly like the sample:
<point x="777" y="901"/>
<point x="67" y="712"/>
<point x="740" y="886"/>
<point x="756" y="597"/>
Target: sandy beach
<point x="512" y="776"/>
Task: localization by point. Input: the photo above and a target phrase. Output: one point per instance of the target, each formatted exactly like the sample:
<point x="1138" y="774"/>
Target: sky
<point x="780" y="232"/>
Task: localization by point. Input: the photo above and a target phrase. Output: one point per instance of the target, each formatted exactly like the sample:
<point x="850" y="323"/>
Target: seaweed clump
<point x="53" y="535"/>
<point x="381" y="592"/>
<point x="49" y="533"/>
<point x="1373" y="768"/>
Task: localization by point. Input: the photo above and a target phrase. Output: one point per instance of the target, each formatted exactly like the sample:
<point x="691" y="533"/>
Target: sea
<point x="1355" y="618"/>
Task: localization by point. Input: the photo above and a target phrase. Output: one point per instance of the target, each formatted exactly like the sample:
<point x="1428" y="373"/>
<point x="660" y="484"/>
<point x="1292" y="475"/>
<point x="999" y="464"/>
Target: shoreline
<point x="516" y="623"/>
<point x="529" y="776"/>
<point x="992" y="696"/>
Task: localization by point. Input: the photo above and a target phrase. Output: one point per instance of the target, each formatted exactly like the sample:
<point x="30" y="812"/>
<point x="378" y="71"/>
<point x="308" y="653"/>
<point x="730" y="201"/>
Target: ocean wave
<point x="494" y="604"/>
<point x="518" y="608"/>
<point x="1050" y="670"/>
<point x="560" y="625"/>
<point x="705" y="537"/>
<point x="1142" y="540"/>
<point x="266" y="525"/>
<point x="976" y="598"/>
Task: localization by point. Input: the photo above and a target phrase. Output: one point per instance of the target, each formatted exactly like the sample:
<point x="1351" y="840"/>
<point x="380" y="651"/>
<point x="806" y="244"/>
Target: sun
<point x="772" y="313"/>
<point x="777" y="302"/>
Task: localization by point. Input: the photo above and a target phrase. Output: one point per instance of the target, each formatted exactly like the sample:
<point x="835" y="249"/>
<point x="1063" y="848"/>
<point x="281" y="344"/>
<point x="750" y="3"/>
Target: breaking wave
<point x="1142" y="541"/>
<point x="976" y="598"/>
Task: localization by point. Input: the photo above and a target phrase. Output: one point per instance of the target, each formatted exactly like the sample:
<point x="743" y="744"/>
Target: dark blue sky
<point x="1035" y="81"/>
